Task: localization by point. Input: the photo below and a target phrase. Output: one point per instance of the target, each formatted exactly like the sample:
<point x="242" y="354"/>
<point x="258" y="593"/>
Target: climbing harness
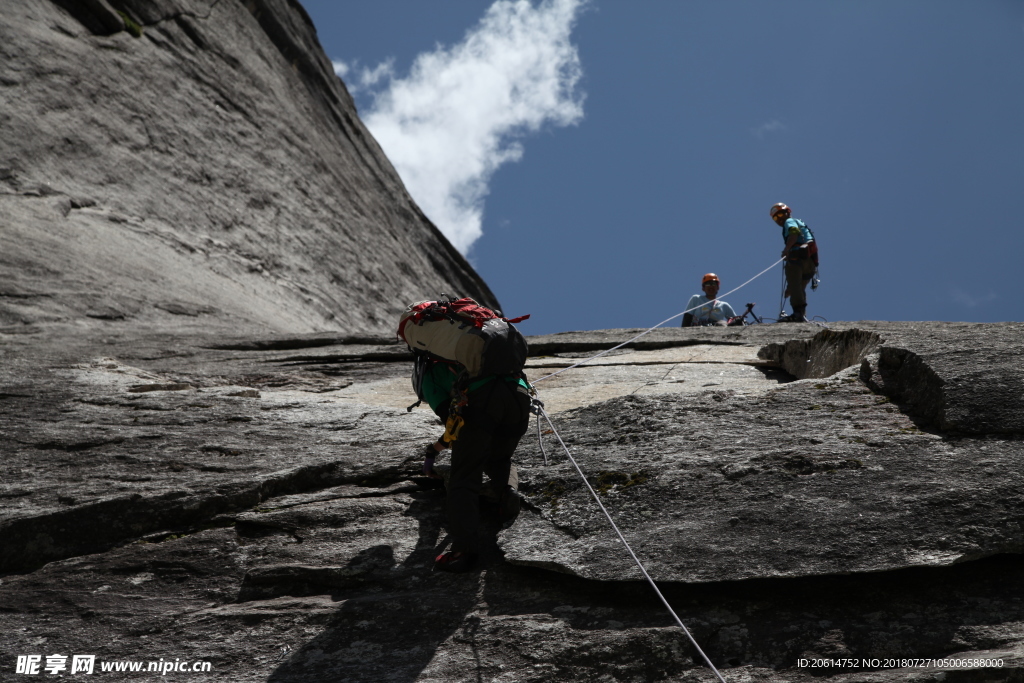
<point x="625" y="543"/>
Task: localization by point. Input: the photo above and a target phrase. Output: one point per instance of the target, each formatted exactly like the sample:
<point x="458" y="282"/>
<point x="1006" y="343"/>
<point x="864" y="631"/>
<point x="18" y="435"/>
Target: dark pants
<point x="496" y="416"/>
<point x="798" y="274"/>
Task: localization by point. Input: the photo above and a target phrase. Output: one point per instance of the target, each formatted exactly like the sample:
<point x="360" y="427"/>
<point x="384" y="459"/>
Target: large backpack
<point x="465" y="332"/>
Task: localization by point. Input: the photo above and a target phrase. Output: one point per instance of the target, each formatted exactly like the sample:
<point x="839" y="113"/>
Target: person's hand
<point x="428" y="469"/>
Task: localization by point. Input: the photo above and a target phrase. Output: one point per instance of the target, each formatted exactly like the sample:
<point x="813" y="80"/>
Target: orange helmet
<point x="779" y="209"/>
<point x="709" y="277"/>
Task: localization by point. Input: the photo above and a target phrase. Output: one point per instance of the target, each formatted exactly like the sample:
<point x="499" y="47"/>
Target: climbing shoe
<point x="509" y="505"/>
<point x="455" y="562"/>
<point x="798" y="314"/>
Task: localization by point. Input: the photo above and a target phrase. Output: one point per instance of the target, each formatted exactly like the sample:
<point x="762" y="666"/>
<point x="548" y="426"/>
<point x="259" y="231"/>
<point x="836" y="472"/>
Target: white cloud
<point x="371" y="77"/>
<point x="773" y="126"/>
<point x="458" y="115"/>
<point x="971" y="301"/>
<point x="363" y="77"/>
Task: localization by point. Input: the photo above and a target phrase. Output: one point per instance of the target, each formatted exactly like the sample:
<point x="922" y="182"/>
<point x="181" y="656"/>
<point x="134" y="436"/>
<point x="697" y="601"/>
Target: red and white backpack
<point x="463" y="331"/>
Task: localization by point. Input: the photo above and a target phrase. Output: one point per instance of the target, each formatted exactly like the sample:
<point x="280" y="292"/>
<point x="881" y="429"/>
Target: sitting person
<point x="705" y="309"/>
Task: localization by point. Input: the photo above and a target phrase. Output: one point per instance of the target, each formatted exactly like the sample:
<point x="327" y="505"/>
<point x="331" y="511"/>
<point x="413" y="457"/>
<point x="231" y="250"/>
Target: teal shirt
<point x="795" y="226"/>
<point x="438" y="381"/>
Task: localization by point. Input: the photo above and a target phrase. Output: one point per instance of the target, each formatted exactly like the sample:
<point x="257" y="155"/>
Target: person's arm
<point x="790" y="243"/>
<point x="692" y="303"/>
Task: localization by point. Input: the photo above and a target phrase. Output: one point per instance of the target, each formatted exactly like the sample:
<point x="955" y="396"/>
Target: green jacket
<point x="439" y="385"/>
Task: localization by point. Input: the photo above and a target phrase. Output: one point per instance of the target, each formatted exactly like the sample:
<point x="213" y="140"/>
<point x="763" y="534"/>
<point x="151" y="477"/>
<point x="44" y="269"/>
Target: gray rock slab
<point x="956" y="377"/>
<point x="199" y="165"/>
<point x="205" y="454"/>
<point x="816" y="477"/>
<point x="680" y="369"/>
<point x="256" y="508"/>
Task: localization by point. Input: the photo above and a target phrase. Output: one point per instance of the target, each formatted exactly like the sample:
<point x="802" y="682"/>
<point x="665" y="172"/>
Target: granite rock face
<point x="191" y="164"/>
<point x="256" y="503"/>
<point x="207" y="456"/>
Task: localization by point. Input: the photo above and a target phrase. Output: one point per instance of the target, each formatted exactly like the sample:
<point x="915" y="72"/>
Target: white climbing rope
<point x="651" y="329"/>
<point x="538" y="408"/>
<point x="625" y="543"/>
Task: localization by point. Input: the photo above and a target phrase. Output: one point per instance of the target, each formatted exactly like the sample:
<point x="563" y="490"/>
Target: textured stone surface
<point x="236" y="501"/>
<point x="210" y="171"/>
<point x="958" y="377"/>
<point x="205" y="453"/>
<point x="818" y="477"/>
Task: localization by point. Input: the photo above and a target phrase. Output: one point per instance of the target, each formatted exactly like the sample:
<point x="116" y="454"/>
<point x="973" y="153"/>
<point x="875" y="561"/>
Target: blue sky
<point x="594" y="159"/>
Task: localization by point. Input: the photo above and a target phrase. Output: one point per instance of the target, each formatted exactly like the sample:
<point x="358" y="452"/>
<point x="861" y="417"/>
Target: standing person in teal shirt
<point x="705" y="309"/>
<point x="801" y="257"/>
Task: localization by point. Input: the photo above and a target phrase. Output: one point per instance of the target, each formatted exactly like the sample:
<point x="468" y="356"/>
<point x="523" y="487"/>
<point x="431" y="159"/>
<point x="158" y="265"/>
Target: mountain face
<point x="208" y="457"/>
<point x="262" y="510"/>
<point x="186" y="164"/>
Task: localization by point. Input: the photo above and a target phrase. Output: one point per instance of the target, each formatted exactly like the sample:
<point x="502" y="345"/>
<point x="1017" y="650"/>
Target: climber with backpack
<point x="474" y="357"/>
<point x="801" y="254"/>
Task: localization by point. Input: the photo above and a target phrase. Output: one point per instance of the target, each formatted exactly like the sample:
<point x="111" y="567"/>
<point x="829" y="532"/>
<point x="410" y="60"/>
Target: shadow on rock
<point x="391" y="617"/>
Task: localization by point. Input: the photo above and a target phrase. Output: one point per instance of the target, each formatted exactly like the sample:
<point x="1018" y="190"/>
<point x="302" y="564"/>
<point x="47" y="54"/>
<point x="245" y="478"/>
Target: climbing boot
<point x="796" y="317"/>
<point x="509" y="505"/>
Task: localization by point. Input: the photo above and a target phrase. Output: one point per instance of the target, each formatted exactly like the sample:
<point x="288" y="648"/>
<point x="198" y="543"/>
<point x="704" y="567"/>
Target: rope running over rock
<point x="625" y="543"/>
<point x="651" y="329"/>
<point x="538" y="408"/>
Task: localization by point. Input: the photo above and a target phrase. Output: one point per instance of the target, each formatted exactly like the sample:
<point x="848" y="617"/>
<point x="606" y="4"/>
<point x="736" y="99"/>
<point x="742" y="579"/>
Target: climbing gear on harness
<point x="462" y="330"/>
<point x="537" y="408"/>
<point x="453" y="426"/>
<point x="455" y="562"/>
